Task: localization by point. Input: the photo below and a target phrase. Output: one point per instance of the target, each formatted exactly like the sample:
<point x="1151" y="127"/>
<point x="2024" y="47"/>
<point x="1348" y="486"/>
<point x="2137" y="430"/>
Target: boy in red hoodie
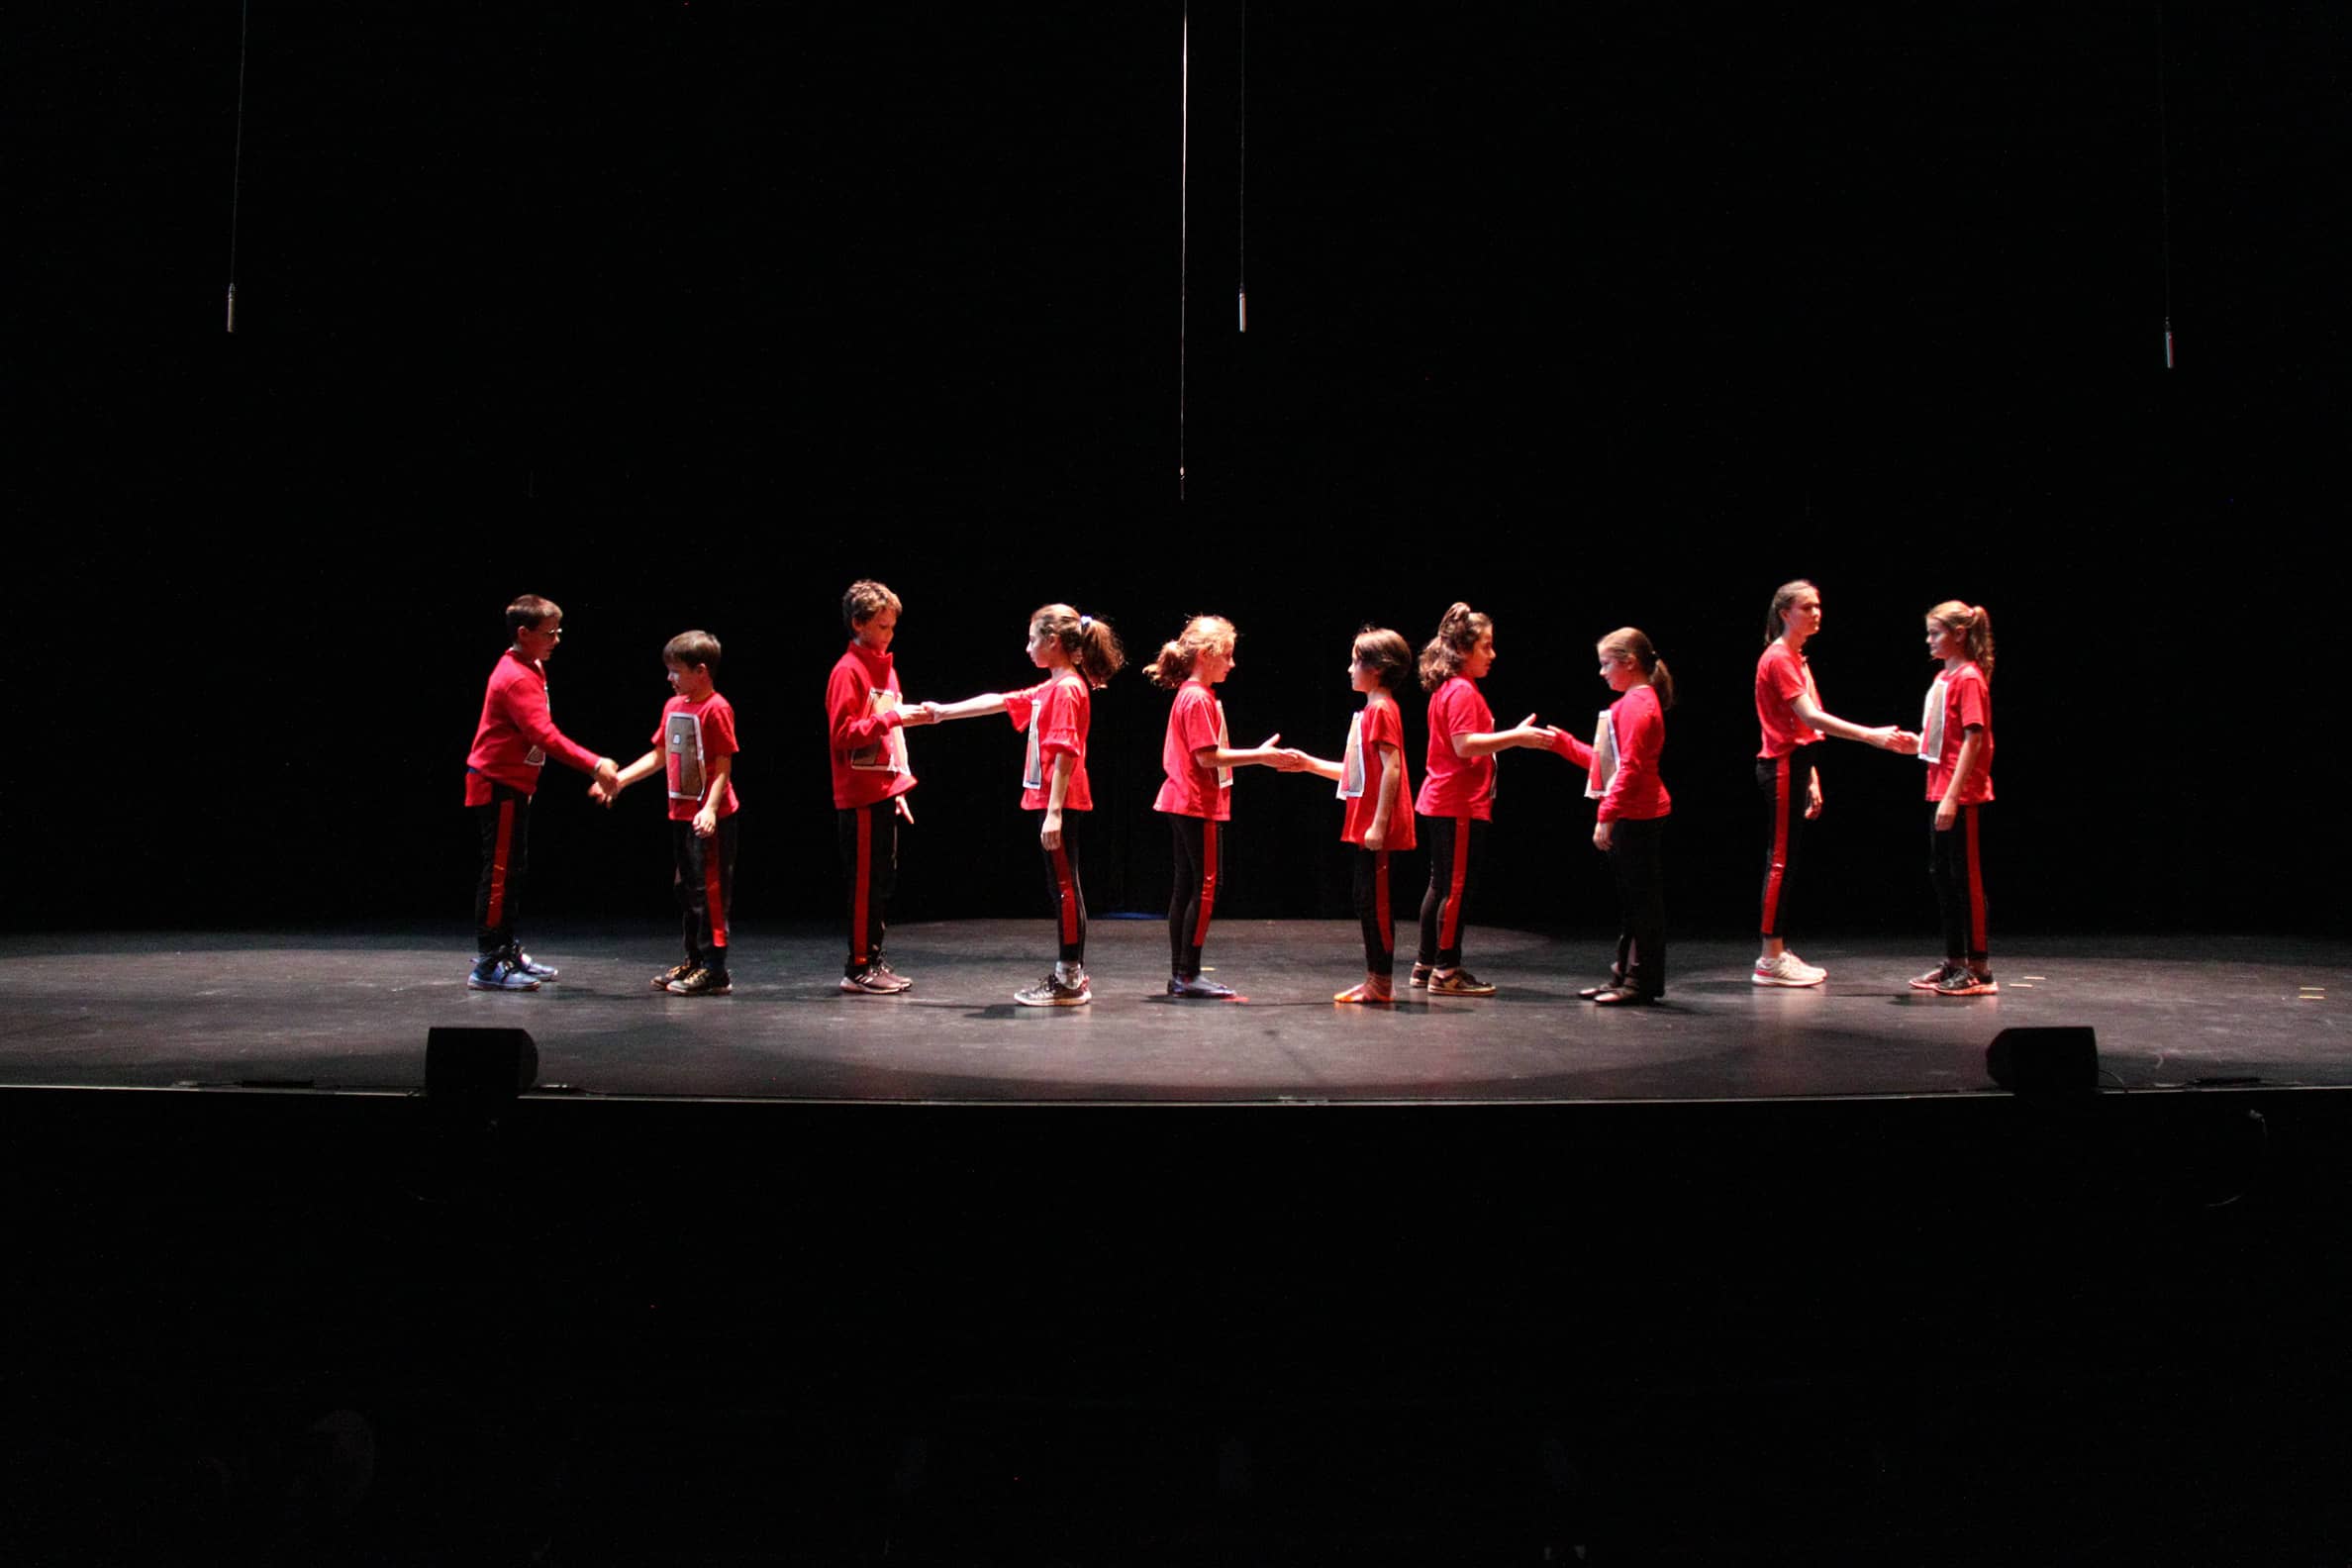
<point x="864" y="715"/>
<point x="513" y="741"/>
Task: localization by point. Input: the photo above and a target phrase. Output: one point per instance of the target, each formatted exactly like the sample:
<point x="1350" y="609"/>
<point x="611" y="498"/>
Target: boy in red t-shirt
<point x="695" y="748"/>
<point x="866" y="719"/>
<point x="512" y="741"/>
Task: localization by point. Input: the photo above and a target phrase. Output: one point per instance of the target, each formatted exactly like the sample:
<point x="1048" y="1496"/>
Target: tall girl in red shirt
<point x="1622" y="764"/>
<point x="1789" y="710"/>
<point x="1956" y="743"/>
<point x="1457" y="797"/>
<point x="1079" y="655"/>
<point x="1373" y="781"/>
<point x="1198" y="792"/>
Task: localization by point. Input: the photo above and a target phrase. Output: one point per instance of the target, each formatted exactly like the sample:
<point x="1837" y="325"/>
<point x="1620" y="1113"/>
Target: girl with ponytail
<point x="1457" y="795"/>
<point x="1198" y="794"/>
<point x="1079" y="654"/>
<point x="1622" y="768"/>
<point x="1956" y="743"/>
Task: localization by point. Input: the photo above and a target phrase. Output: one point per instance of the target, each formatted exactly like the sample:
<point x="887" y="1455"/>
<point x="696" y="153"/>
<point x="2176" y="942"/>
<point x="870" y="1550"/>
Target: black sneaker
<point x="1195" y="986"/>
<point x="700" y="982"/>
<point x="1420" y="978"/>
<point x="670" y="976"/>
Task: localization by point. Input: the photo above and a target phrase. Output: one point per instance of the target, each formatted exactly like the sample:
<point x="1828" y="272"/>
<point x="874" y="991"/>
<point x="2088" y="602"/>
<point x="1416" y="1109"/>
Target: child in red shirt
<point x="1198" y="794"/>
<point x="1079" y="655"/>
<point x="1956" y="743"/>
<point x="1457" y="797"/>
<point x="1789" y="711"/>
<point x="511" y="743"/>
<point x="695" y="748"/>
<point x="865" y="716"/>
<point x="1622" y="774"/>
<point x="1373" y="781"/>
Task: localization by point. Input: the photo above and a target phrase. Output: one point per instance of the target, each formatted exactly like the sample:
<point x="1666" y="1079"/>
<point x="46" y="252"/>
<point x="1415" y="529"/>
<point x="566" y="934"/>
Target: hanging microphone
<point x="233" y="307"/>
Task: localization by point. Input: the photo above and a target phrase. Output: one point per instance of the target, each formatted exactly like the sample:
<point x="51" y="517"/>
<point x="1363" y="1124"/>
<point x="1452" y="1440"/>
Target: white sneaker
<point x="1787" y="970"/>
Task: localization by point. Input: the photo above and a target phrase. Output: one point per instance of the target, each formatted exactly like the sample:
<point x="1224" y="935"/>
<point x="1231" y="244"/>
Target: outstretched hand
<point x="1905" y="742"/>
<point x="1533" y="734"/>
<point x="1285" y="760"/>
<point x="921" y="713"/>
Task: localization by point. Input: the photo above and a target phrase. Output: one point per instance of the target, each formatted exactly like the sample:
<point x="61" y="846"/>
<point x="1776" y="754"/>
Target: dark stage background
<point x="686" y="315"/>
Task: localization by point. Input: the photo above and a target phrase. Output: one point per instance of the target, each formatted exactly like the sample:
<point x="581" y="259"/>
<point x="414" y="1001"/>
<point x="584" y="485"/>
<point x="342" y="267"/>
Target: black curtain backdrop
<point x="687" y="314"/>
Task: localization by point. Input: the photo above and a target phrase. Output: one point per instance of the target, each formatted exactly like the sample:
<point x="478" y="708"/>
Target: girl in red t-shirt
<point x="1373" y="781"/>
<point x="1079" y="655"/>
<point x="1622" y="764"/>
<point x="1197" y="795"/>
<point x="1789" y="711"/>
<point x="1457" y="797"/>
<point x="1956" y="743"/>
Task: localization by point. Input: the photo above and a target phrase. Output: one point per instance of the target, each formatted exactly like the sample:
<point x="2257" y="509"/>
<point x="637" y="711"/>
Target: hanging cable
<point x="1183" y="229"/>
<point x="2164" y="186"/>
<point x="244" y="13"/>
<point x="1242" y="186"/>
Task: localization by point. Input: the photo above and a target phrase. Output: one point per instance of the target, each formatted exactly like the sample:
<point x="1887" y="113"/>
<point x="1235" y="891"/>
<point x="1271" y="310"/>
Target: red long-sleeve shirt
<point x="863" y="717"/>
<point x="516" y="736"/>
<point x="1637" y="725"/>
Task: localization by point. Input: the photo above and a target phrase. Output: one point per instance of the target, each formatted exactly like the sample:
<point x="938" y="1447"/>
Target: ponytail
<point x="1458" y="631"/>
<point x="1974" y="623"/>
<point x="1635" y="643"/>
<point x="1201" y="633"/>
<point x="1091" y="647"/>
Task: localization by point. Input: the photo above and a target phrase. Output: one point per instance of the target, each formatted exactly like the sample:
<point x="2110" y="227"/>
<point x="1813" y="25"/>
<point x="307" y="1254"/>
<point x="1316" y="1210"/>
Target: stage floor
<point x="349" y="1012"/>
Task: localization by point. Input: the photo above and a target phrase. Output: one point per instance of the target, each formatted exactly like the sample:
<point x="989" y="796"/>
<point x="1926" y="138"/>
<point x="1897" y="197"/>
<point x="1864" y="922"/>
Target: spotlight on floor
<point x="2061" y="1059"/>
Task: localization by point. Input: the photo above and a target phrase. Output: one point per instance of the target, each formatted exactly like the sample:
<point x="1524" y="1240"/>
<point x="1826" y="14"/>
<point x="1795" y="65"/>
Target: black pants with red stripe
<point x="1066" y="891"/>
<point x="505" y="825"/>
<point x="1374" y="911"/>
<point x="868" y="837"/>
<point x="1783" y="782"/>
<point x="1955" y="864"/>
<point x="1200" y="872"/>
<point x="1636" y="859"/>
<point x="1457" y="848"/>
<point x="706" y="891"/>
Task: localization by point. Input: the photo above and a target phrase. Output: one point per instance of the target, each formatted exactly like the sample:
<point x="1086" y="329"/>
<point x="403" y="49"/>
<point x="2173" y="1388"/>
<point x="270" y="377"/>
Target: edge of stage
<point x="351" y="1012"/>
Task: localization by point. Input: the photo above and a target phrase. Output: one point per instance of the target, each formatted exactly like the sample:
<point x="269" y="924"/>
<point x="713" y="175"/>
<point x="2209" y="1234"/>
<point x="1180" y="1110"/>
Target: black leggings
<point x="1636" y="859"/>
<point x="1200" y="872"/>
<point x="1067" y="893"/>
<point x="1955" y="864"/>
<point x="1373" y="910"/>
<point x="1457" y="848"/>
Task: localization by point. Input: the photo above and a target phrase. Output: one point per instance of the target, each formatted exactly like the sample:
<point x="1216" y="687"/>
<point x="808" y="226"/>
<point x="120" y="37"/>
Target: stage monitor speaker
<point x="2062" y="1059"/>
<point x="481" y="1067"/>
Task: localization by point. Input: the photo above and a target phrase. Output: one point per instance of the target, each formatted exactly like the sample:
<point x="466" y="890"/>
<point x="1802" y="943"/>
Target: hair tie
<point x="1085" y="623"/>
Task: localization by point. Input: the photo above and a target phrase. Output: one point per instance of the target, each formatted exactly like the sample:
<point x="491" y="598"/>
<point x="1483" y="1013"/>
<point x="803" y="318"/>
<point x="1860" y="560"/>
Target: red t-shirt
<point x="1457" y="786"/>
<point x="1379" y="725"/>
<point x="1782" y="677"/>
<point x="1637" y="732"/>
<point x="1967" y="699"/>
<point x="863" y="716"/>
<point x="693" y="736"/>
<point x="1055" y="712"/>
<point x="1197" y="721"/>
<point x="516" y="736"/>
